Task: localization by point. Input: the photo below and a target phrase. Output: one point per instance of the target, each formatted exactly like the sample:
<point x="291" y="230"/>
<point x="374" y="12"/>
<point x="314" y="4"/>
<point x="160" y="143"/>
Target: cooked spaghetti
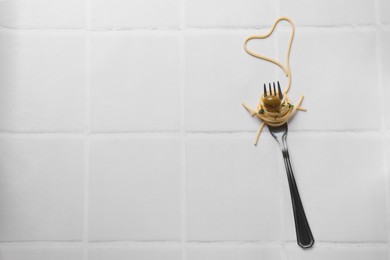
<point x="286" y="110"/>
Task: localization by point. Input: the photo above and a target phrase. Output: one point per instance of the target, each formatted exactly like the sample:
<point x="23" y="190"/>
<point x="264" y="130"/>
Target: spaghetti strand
<point x="286" y="110"/>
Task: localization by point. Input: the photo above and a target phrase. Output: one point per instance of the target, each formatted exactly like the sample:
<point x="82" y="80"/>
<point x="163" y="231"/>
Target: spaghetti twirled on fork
<point x="279" y="116"/>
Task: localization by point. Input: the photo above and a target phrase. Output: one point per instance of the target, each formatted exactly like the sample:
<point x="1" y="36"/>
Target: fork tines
<point x="280" y="94"/>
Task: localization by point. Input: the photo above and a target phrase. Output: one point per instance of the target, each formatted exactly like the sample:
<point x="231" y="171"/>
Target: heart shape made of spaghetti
<point x="285" y="67"/>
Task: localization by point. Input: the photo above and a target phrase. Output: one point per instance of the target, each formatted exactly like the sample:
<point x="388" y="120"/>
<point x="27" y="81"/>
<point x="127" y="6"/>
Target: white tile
<point x="329" y="13"/>
<point x="220" y="75"/>
<point x="55" y="253"/>
<point x="135" y="13"/>
<point x="387" y="149"/>
<point x="135" y="82"/>
<point x="136" y="252"/>
<point x="229" y="13"/>
<point x="43" y="14"/>
<point x="387" y="173"/>
<point x="233" y="190"/>
<point x="41" y="189"/>
<point x="385" y="38"/>
<point x="230" y="252"/>
<point x="336" y="71"/>
<point x="342" y="187"/>
<point x="385" y="11"/>
<point x="43" y="82"/>
<point x="337" y="253"/>
<point x="135" y="189"/>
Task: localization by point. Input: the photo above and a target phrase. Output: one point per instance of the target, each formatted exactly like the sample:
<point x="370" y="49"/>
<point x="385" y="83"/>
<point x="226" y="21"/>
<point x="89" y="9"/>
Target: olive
<point x="271" y="103"/>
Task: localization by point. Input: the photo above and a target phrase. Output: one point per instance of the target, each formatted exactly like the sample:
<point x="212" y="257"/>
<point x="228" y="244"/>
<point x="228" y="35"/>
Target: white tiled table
<point x="122" y="134"/>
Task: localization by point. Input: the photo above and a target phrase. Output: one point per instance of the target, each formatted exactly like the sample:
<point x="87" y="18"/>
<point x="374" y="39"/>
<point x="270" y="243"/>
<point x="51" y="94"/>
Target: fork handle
<point x="304" y="236"/>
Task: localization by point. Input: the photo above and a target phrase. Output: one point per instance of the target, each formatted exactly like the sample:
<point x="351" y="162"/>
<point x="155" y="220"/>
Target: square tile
<point x="341" y="181"/>
<point x="43" y="83"/>
<point x="43" y="14"/>
<point x="135" y="13"/>
<point x="385" y="44"/>
<point x="230" y="13"/>
<point x="55" y="253"/>
<point x="233" y="190"/>
<point x="135" y="189"/>
<point x="387" y="173"/>
<point x="41" y="189"/>
<point x="136" y="252"/>
<point x="329" y="13"/>
<point x="385" y="11"/>
<point x="233" y="252"/>
<point x="337" y="253"/>
<point x="135" y="82"/>
<point x="336" y="71"/>
<point x="220" y="76"/>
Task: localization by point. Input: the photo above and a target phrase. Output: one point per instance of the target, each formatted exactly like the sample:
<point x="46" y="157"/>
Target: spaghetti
<point x="286" y="110"/>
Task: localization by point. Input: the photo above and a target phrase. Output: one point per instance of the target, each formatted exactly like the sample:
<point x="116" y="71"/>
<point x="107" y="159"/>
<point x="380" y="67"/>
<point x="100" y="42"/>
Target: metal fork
<point x="280" y="94"/>
<point x="304" y="236"/>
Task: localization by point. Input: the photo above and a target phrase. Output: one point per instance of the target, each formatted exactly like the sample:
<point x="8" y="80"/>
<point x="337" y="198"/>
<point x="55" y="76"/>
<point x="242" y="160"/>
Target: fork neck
<point x="283" y="144"/>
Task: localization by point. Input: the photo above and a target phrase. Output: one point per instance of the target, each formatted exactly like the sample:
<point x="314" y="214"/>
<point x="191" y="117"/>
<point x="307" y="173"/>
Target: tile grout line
<point x="378" y="53"/>
<point x="182" y="71"/>
<point x="377" y="13"/>
<point x="386" y="154"/>
<point x="281" y="169"/>
<point x="158" y="134"/>
<point x="87" y="131"/>
<point x="207" y="28"/>
<point x="386" y="172"/>
<point x="175" y="244"/>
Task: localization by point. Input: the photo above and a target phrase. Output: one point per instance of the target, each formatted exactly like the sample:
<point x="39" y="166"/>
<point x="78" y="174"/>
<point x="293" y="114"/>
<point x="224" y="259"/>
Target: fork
<point x="304" y="236"/>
